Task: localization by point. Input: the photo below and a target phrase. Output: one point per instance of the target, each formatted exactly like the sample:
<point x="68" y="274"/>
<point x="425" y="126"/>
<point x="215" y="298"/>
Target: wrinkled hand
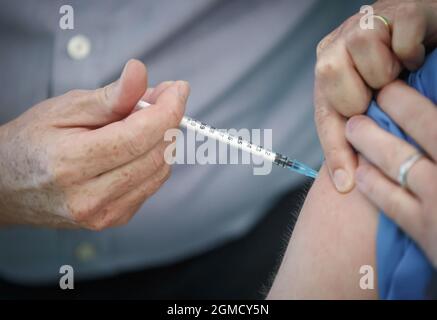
<point x="415" y="209"/>
<point x="351" y="62"/>
<point x="84" y="159"/>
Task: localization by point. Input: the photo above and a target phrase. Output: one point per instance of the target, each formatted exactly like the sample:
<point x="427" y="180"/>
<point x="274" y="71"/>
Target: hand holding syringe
<point x="239" y="143"/>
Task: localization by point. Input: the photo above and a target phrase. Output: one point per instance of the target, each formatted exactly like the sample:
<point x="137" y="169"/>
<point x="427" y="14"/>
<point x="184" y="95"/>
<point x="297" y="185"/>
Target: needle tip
<point x="303" y="169"/>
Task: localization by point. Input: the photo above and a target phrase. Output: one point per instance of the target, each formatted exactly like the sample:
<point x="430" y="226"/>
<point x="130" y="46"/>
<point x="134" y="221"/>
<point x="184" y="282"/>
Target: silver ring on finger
<point x="406" y="167"/>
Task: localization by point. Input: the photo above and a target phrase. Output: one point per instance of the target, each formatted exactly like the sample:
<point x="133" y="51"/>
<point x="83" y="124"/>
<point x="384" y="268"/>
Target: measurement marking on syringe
<point x="242" y="144"/>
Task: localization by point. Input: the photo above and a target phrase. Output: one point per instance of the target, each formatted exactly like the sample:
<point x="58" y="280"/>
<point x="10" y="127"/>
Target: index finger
<point x="372" y="55"/>
<point x="120" y="142"/>
<point x="414" y="27"/>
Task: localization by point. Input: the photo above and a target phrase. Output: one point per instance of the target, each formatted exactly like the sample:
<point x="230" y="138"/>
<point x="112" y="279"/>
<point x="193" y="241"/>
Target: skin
<point x="85" y="159"/>
<point x="414" y="208"/>
<point x="352" y="63"/>
<point x="333" y="237"/>
<point x="336" y="233"/>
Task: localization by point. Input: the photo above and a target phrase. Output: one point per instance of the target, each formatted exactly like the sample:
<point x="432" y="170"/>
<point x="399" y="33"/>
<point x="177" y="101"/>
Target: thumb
<point x="340" y="158"/>
<point x="108" y="104"/>
<point x="120" y="97"/>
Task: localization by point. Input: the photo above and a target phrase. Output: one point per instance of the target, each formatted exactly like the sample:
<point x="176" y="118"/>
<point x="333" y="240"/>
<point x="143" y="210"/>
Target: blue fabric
<point x="404" y="272"/>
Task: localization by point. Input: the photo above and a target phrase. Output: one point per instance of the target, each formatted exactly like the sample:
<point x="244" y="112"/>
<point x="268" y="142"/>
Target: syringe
<point x="242" y="144"/>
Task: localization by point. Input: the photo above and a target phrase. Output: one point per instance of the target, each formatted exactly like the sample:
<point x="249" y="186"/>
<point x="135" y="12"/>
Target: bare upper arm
<point x="334" y="236"/>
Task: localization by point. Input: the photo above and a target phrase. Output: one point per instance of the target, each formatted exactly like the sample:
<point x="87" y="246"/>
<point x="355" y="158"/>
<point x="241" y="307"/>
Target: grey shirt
<point x="250" y="65"/>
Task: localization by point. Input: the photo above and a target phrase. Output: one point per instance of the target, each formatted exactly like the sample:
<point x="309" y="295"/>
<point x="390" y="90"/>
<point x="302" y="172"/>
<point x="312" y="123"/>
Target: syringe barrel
<point x="226" y="138"/>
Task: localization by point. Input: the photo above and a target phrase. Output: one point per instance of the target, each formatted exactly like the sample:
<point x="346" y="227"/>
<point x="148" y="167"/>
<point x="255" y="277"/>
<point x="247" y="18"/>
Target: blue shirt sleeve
<point x="404" y="272"/>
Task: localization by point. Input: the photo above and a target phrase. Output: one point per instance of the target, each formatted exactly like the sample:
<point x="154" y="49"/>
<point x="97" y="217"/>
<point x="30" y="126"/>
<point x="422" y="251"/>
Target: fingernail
<point x="352" y="123"/>
<point x="167" y="83"/>
<point x="183" y="89"/>
<point x="124" y="71"/>
<point x="342" y="180"/>
<point x="115" y="88"/>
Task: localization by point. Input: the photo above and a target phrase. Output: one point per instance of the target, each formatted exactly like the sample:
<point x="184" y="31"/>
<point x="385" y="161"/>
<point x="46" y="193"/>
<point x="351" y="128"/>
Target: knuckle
<point x="124" y="220"/>
<point x="403" y="50"/>
<point x="358" y="108"/>
<point x="80" y="214"/>
<point x="358" y="38"/>
<point x="323" y="44"/>
<point x="81" y="209"/>
<point x="96" y="226"/>
<point x="354" y="107"/>
<point x="409" y="10"/>
<point x="174" y="114"/>
<point x="102" y="221"/>
<point x="327" y="69"/>
<point x="324" y="69"/>
<point x="60" y="174"/>
<point x="386" y="74"/>
<point x="376" y="75"/>
<point x="406" y="51"/>
<point x="112" y="221"/>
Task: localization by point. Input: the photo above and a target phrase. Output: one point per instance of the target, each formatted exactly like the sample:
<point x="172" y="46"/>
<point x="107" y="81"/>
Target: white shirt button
<point x="79" y="47"/>
<point x="85" y="251"/>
